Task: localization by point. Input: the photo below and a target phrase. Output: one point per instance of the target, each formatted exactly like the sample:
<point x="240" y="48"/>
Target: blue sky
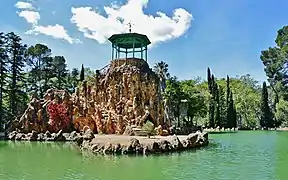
<point x="225" y="35"/>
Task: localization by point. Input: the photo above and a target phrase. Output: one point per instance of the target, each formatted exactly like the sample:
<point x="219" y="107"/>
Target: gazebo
<point x="129" y="45"/>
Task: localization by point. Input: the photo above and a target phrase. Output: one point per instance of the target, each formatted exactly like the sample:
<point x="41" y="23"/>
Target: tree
<point x="196" y="100"/>
<point x="173" y="96"/>
<point x="82" y="73"/>
<point x="60" y="72"/>
<point x="3" y="75"/>
<point x="161" y="69"/>
<point x="282" y="113"/>
<point x="39" y="63"/>
<point x="211" y="111"/>
<point x="266" y="120"/>
<point x="73" y="80"/>
<point x="16" y="58"/>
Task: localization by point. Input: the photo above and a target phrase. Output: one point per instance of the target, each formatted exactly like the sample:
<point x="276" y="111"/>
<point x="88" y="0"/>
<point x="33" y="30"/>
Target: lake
<point x="255" y="155"/>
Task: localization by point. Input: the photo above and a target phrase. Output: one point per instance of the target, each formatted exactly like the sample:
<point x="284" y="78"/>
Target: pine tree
<point x="17" y="96"/>
<point x="73" y="80"/>
<point x="3" y="76"/>
<point x="82" y="74"/>
<point x="39" y="63"/>
<point x="60" y="71"/>
<point x="266" y="118"/>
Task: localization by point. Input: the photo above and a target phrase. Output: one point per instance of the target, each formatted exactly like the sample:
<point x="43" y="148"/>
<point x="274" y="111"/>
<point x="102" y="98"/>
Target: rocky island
<point x="120" y="111"/>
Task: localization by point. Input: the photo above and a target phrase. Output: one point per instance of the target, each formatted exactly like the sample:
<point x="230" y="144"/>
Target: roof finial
<point x="130" y="27"/>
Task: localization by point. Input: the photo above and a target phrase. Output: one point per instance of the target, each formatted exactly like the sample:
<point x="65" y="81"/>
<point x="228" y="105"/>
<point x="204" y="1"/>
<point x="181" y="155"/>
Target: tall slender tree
<point x="266" y="119"/>
<point x="82" y="73"/>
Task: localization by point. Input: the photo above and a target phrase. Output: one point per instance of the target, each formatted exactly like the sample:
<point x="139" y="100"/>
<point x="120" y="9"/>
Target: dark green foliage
<point x="17" y="82"/>
<point x="222" y="112"/>
<point x="73" y="80"/>
<point x="60" y="71"/>
<point x="275" y="61"/>
<point x="266" y="119"/>
<point x="211" y="107"/>
<point x="43" y="72"/>
<point x="161" y="69"/>
<point x="40" y="69"/>
<point x="82" y="73"/>
<point x="3" y="76"/>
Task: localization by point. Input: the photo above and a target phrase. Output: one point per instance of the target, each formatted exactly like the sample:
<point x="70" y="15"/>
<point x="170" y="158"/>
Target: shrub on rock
<point x="58" y="117"/>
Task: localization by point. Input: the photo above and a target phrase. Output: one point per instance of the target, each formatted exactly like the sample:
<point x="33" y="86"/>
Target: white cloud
<point x="32" y="17"/>
<point x="24" y="5"/>
<point x="57" y="31"/>
<point x="158" y="28"/>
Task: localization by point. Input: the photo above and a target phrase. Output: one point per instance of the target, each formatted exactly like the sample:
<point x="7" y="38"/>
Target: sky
<point x="189" y="35"/>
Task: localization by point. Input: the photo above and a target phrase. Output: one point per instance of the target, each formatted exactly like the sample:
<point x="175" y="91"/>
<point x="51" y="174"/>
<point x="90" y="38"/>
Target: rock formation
<point x="125" y="93"/>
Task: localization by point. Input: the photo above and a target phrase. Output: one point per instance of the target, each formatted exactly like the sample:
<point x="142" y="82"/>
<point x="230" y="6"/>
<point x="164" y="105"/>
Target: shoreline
<point x="111" y="144"/>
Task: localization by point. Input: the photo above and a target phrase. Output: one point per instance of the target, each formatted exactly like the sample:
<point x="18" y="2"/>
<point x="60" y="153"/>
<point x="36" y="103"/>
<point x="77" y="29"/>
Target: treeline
<point x="275" y="60"/>
<point x="221" y="110"/>
<point x="27" y="72"/>
<point x="223" y="103"/>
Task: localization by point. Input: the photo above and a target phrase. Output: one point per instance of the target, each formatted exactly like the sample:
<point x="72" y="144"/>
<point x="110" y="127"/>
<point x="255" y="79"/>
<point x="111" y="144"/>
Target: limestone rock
<point x="88" y="135"/>
<point x="124" y="93"/>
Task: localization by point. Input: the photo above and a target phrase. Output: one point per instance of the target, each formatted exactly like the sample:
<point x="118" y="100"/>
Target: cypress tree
<point x="211" y="107"/>
<point x="228" y="111"/>
<point x="222" y="103"/>
<point x="266" y="118"/>
<point x="232" y="112"/>
<point x="82" y="74"/>
<point x="217" y="104"/>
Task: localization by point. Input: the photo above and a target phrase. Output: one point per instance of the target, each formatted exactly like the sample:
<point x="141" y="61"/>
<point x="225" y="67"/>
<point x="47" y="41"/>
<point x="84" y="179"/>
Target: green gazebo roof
<point x="126" y="40"/>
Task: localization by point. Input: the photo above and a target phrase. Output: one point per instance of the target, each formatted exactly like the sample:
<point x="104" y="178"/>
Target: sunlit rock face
<point x="124" y="93"/>
<point x="52" y="113"/>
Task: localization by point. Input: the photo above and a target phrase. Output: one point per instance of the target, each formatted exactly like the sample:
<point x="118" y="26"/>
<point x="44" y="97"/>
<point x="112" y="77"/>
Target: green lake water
<point x="244" y="155"/>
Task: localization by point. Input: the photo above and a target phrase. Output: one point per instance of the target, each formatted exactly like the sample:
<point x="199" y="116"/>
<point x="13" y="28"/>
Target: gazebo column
<point x="141" y="52"/>
<point x="112" y="51"/>
<point x="118" y="49"/>
<point x="133" y="48"/>
<point x="146" y="53"/>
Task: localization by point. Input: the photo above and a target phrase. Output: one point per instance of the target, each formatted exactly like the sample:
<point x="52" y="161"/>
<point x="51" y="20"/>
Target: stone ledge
<point x="139" y="145"/>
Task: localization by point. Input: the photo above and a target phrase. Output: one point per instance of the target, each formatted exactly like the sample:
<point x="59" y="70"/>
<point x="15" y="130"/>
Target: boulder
<point x="108" y="149"/>
<point x="165" y="146"/>
<point x="19" y="136"/>
<point x="88" y="135"/>
<point x="32" y="136"/>
<point x="12" y="135"/>
<point x="59" y="136"/>
<point x="175" y="143"/>
<point x="41" y="137"/>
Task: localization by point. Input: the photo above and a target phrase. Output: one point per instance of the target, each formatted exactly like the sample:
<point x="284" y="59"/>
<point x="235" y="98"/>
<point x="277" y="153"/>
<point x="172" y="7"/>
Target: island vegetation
<point x="229" y="102"/>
